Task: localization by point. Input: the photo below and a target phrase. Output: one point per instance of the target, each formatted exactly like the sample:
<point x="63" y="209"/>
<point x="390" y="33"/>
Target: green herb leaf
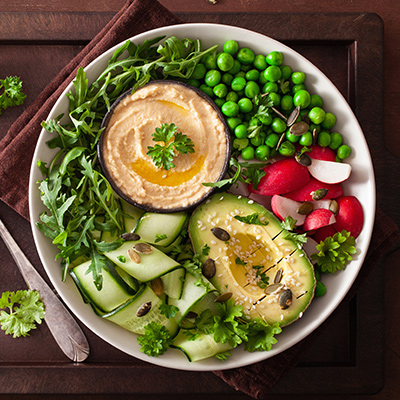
<point x="223" y="356"/>
<point x="160" y="237"/>
<point x="335" y="252"/>
<point x="163" y="155"/>
<point x="261" y="336"/>
<point x="24" y="310"/>
<point x="11" y="92"/>
<point x="168" y="310"/>
<point x="252" y="219"/>
<point x="155" y="341"/>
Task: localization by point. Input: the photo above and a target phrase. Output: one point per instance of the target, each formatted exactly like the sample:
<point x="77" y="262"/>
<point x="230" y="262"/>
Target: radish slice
<point x="261" y="199"/>
<point x="329" y="171"/>
<point x="283" y="207"/>
<point x="319" y="218"/>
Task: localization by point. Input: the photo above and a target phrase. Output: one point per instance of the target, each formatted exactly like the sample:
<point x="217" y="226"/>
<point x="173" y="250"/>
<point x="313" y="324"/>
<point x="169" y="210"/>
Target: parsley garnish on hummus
<point x="163" y="154"/>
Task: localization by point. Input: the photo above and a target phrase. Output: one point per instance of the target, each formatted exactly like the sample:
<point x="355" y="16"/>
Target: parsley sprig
<point x="22" y="310"/>
<point x="173" y="141"/>
<point x="11" y="93"/>
<point x="156" y="340"/>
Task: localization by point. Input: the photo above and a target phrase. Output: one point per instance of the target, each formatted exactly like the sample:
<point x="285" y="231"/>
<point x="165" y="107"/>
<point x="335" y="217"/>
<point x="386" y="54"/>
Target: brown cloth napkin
<point x="16" y="152"/>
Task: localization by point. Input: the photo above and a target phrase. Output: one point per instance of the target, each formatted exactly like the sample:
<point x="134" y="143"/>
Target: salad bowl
<point x="360" y="184"/>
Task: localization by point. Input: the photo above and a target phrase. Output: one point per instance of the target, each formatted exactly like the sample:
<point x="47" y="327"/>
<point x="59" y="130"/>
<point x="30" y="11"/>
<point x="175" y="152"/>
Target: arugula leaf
<point x="335" y="252"/>
<point x="12" y="95"/>
<point x="24" y="310"/>
<point x="155" y="341"/>
<point x="163" y="155"/>
<point x="252" y="219"/>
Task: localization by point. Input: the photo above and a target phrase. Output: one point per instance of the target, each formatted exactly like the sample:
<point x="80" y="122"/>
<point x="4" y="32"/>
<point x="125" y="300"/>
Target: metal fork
<point x="60" y="322"/>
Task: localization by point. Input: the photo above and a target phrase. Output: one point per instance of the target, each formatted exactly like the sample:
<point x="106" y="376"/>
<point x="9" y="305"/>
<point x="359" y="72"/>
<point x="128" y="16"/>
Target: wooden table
<point x="350" y="358"/>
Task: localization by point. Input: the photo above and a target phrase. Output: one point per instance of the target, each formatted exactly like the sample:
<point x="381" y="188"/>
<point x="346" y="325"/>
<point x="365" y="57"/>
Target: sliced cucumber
<point x="129" y="279"/>
<point x="204" y="346"/>
<point x="151" y="266"/>
<point x="172" y="246"/>
<point x="173" y="283"/>
<point x="131" y="215"/>
<point x="161" y="229"/>
<point x="114" y="291"/>
<point x="126" y="315"/>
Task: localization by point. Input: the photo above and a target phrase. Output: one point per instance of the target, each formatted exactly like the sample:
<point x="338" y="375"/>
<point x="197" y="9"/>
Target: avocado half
<point x="148" y="206"/>
<point x="253" y="254"/>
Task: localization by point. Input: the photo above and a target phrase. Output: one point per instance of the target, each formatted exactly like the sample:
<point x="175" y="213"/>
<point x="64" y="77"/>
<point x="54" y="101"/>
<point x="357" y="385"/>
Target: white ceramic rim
<point x="362" y="179"/>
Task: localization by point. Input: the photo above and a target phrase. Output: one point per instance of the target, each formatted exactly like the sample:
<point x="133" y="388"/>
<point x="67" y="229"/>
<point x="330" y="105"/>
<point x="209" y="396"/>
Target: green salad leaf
<point x="11" y="93"/>
<point x="155" y="341"/>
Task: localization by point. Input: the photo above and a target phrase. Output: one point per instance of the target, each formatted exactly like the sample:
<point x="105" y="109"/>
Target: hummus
<point x="129" y="132"/>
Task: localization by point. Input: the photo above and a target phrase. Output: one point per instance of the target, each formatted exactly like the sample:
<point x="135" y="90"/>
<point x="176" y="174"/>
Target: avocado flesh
<point x="254" y="246"/>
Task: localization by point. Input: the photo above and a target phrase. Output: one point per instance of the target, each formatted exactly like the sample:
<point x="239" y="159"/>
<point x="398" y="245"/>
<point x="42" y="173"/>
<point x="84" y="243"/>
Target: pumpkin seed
<point x="280" y="141"/>
<point x="143" y="309"/>
<point x="143" y="248"/>
<point x="209" y="268"/>
<point x="293" y="116"/>
<point x="158" y="286"/>
<point x="314" y="136"/>
<point x="221" y="234"/>
<point x="278" y="275"/>
<point x="279" y="113"/>
<point x="270" y="289"/>
<point x="334" y="206"/>
<point x="306" y="118"/>
<point x="303" y="159"/>
<point x="211" y="1"/>
<point x="223" y="297"/>
<point x="134" y="256"/>
<point x="319" y="194"/>
<point x="130" y="236"/>
<point x="285" y="299"/>
<point x="191" y="315"/>
<point x="305" y="208"/>
<point x="299" y="128"/>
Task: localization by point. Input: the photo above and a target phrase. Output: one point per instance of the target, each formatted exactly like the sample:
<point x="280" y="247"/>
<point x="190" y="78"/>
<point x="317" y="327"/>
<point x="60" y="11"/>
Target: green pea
<point x="238" y="84"/>
<point x="230" y="109"/>
<point x="286" y="71"/>
<point x="336" y="140"/>
<point x="212" y="78"/>
<point x="247" y="153"/>
<point x="193" y="82"/>
<point x="227" y="78"/>
<point x="298" y="77"/>
<point x="316" y="101"/>
<point x="210" y="61"/>
<point x="231" y="47"/>
<point x="270" y="87"/>
<point x="320" y="289"/>
<point x="219" y="102"/>
<point x="343" y="151"/>
<point x="232" y="96"/>
<point x="220" y="90"/>
<point x="329" y="121"/>
<point x="324" y="139"/>
<point x="262" y="152"/>
<point x="241" y="131"/>
<point x="260" y="62"/>
<point x="240" y="74"/>
<point x="272" y="140"/>
<point x="278" y="125"/>
<point x="266" y="119"/>
<point x="225" y="61"/>
<point x="199" y="71"/>
<point x="287" y="102"/>
<point x="273" y="73"/>
<point x="236" y="67"/>
<point x="245" y="68"/>
<point x="274" y="58"/>
<point x="251" y="89"/>
<point x="240" y="144"/>
<point x="287" y="149"/>
<point x="317" y="115"/>
<point x="298" y="87"/>
<point x="233" y="122"/>
<point x="292" y="138"/>
<point x="252" y="75"/>
<point x="302" y="98"/>
<point x="245" y="105"/>
<point x="246" y="56"/>
<point x="306" y="139"/>
<point x="275" y="98"/>
<point x="317" y="274"/>
<point x="207" y="90"/>
<point x="257" y="141"/>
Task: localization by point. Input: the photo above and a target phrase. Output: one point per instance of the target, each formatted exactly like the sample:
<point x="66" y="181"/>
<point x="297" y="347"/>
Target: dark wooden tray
<point x="346" y="358"/>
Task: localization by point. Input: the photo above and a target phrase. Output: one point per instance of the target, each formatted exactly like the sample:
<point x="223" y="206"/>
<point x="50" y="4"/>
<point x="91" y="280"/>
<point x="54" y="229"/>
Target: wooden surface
<point x="334" y="365"/>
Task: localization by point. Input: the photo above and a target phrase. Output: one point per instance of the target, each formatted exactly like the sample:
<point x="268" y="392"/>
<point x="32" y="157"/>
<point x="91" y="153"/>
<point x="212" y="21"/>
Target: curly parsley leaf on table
<point x="20" y="311"/>
<point x="11" y="93"/>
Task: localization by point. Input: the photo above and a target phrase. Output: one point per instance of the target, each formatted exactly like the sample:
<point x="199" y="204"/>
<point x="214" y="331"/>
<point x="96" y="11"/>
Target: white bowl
<point x="360" y="184"/>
